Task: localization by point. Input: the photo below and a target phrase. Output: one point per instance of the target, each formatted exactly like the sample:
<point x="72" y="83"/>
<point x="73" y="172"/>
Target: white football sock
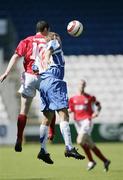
<point x="43" y="136"/>
<point x="65" y="130"/>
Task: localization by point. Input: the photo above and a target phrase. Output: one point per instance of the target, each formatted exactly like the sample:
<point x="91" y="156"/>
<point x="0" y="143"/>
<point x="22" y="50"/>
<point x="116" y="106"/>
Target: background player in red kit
<point x="29" y="49"/>
<point x="85" y="107"/>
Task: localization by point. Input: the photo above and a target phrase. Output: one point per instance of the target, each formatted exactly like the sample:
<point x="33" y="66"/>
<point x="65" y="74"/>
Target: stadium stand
<point x="104" y="77"/>
<point x="3" y="111"/>
<point x="102" y="22"/>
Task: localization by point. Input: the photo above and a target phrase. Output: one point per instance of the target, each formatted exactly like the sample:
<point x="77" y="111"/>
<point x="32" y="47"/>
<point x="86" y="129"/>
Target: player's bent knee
<point x="90" y="142"/>
<point x="91" y="145"/>
<point x="84" y="139"/>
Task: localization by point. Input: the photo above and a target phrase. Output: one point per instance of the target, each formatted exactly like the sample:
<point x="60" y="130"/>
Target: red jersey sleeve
<point x="93" y="99"/>
<point x="21" y="48"/>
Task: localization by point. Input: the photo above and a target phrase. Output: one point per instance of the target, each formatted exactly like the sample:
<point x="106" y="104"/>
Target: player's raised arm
<point x="48" y="55"/>
<point x="12" y="62"/>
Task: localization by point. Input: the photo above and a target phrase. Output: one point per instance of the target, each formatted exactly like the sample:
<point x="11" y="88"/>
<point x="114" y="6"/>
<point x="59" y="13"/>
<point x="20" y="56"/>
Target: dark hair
<point x="41" y="25"/>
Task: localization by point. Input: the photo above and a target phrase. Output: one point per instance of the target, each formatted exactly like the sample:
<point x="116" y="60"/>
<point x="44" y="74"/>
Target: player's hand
<point x="35" y="69"/>
<point x="95" y="114"/>
<point x="3" y="77"/>
<point x="36" y="72"/>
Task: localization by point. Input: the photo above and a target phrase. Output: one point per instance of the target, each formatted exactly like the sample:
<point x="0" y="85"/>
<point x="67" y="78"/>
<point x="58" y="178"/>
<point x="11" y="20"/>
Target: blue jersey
<point x="53" y="90"/>
<point x="56" y="66"/>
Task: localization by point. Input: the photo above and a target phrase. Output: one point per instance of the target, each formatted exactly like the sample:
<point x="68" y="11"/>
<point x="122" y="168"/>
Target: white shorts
<point x="84" y="126"/>
<point x="29" y="84"/>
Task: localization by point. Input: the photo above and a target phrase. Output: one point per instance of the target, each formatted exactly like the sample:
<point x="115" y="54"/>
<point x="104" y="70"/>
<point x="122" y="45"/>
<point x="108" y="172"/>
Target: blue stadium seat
<point x="102" y="23"/>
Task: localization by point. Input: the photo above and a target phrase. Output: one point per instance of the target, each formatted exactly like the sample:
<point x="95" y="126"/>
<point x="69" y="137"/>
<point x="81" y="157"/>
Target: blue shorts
<point x="53" y="94"/>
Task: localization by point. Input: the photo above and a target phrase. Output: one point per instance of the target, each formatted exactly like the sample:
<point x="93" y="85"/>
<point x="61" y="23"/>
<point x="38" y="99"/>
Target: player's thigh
<point x="89" y="141"/>
<point x="53" y="94"/>
<point x="63" y="114"/>
<point x="28" y="85"/>
<point x="25" y="104"/>
<point x="77" y="126"/>
<point x="86" y="126"/>
<point x="48" y="116"/>
<point x="85" y="139"/>
<point x="84" y="129"/>
<point x="58" y="96"/>
<point x="45" y="85"/>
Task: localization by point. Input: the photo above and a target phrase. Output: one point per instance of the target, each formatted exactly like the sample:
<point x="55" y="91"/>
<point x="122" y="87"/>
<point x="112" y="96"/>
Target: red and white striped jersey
<point x="29" y="48"/>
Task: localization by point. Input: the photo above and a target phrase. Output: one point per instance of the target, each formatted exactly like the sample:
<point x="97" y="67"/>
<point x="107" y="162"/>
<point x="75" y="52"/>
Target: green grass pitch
<point x="26" y="166"/>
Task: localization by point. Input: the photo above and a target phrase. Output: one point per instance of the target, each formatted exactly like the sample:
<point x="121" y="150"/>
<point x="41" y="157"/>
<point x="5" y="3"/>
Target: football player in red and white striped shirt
<point x="28" y="49"/>
<point x="85" y="107"/>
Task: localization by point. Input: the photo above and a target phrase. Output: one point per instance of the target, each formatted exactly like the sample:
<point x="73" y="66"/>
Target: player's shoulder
<point x="89" y="95"/>
<point x="26" y="40"/>
<point x="29" y="38"/>
<point x="74" y="97"/>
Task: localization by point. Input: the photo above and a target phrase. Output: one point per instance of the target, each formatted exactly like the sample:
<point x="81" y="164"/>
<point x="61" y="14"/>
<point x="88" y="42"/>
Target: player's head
<point x="82" y="85"/>
<point x="53" y="35"/>
<point x="42" y="27"/>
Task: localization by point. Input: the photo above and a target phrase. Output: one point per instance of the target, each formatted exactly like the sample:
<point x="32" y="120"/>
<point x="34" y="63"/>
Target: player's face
<point x="82" y="85"/>
<point x="46" y="31"/>
<point x="52" y="35"/>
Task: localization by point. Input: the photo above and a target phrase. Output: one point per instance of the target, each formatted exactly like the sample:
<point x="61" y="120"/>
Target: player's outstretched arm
<point x="12" y="62"/>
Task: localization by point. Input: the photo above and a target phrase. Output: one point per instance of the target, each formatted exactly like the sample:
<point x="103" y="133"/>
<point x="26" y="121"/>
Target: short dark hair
<point x="41" y="25"/>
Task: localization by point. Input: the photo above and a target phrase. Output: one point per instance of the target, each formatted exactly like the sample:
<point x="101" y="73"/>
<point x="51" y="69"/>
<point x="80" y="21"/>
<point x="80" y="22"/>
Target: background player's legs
<point x="83" y="139"/>
<point x="87" y="152"/>
<point x="99" y="154"/>
<point x="91" y="163"/>
<point x="88" y="140"/>
<point x="95" y="149"/>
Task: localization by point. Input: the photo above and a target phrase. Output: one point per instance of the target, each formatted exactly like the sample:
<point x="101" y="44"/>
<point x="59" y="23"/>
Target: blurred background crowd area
<point x="97" y="56"/>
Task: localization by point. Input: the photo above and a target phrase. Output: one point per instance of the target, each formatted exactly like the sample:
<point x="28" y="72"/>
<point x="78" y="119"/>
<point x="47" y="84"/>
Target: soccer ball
<point x="75" y="28"/>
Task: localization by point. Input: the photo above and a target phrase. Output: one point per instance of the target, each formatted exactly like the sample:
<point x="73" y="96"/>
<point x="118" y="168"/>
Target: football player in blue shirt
<point x="54" y="97"/>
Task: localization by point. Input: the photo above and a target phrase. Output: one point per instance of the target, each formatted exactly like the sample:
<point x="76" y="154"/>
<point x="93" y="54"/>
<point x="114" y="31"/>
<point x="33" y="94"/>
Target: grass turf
<point x="26" y="166"/>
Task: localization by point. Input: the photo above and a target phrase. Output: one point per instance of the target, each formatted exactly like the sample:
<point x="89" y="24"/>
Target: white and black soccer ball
<point x="75" y="28"/>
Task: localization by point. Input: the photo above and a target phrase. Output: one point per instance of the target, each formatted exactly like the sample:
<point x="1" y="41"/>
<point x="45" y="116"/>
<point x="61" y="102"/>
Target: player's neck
<point x="81" y="92"/>
<point x="43" y="33"/>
